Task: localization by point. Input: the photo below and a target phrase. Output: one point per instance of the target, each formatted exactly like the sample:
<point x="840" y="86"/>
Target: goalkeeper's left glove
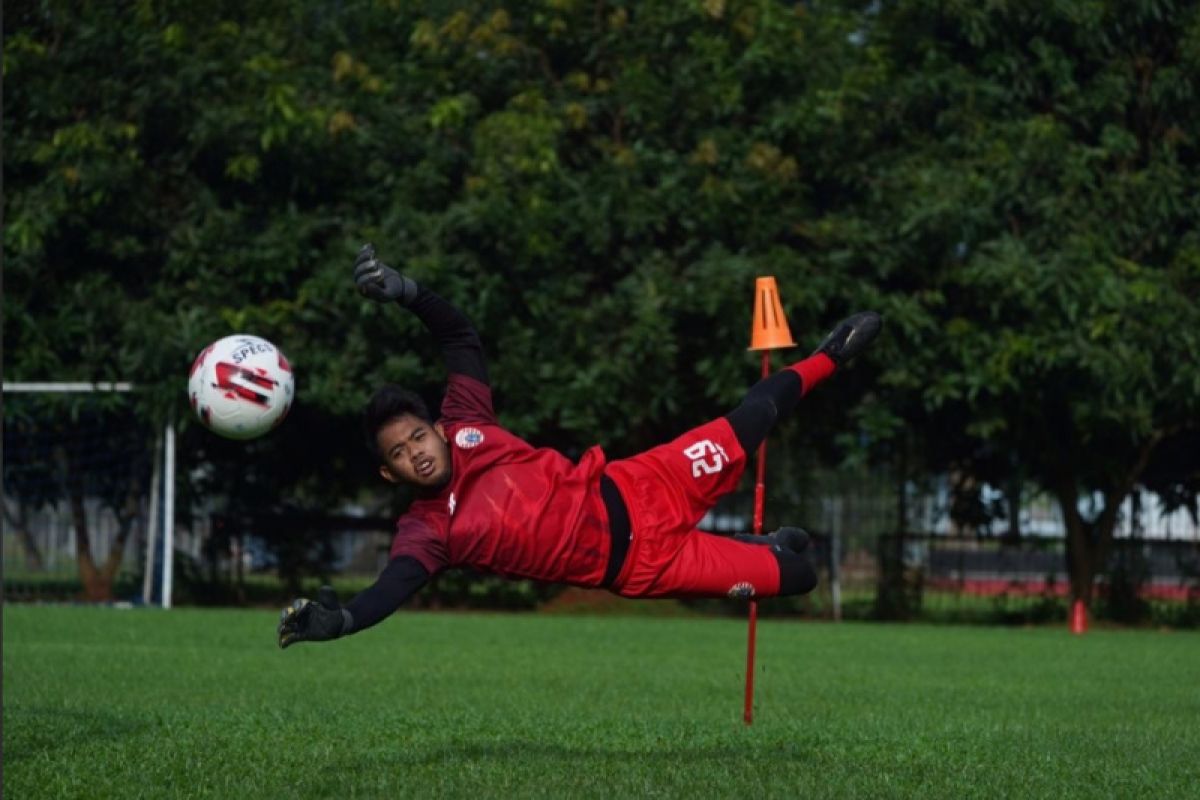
<point x="308" y="621"/>
<point x="380" y="282"/>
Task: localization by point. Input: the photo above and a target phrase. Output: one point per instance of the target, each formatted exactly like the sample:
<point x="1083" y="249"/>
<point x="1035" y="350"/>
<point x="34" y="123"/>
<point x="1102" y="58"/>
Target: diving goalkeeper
<point x="489" y="501"/>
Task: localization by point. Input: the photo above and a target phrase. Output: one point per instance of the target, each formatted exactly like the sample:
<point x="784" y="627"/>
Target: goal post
<point x="159" y="522"/>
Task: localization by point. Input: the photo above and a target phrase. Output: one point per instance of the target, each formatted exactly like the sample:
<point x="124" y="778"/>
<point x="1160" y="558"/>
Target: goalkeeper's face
<point x="415" y="452"/>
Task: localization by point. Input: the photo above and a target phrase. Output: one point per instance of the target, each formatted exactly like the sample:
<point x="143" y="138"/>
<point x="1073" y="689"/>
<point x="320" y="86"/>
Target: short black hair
<point x="389" y="402"/>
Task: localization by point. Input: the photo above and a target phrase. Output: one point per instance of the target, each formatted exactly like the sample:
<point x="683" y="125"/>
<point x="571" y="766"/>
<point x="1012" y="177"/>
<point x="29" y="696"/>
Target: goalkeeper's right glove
<point x="306" y="621"/>
<point x="378" y="281"/>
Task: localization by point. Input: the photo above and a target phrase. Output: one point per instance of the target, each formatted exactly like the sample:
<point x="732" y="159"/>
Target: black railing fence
<point x="937" y="569"/>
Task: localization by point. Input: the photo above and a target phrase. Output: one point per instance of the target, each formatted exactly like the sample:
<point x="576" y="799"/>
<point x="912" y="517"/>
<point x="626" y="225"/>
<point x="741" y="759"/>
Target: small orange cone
<point x="770" y="328"/>
<point x="1079" y="621"/>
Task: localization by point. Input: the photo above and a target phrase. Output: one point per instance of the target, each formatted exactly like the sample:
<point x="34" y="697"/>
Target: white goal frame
<point x="164" y="471"/>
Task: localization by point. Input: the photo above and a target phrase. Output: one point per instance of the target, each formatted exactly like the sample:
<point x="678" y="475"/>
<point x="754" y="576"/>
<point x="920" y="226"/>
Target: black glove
<point x="378" y="281"/>
<point x="306" y="621"/>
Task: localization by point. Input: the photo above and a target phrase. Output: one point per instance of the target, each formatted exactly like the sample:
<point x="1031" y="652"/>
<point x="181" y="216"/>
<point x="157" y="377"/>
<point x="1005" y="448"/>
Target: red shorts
<point x="668" y="490"/>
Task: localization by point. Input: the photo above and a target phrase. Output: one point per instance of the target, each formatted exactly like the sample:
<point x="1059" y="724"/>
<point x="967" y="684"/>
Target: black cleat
<point x="851" y="337"/>
<point x="793" y="539"/>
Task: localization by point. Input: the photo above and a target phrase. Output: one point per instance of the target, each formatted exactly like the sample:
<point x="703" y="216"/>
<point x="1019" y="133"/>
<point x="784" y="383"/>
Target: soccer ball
<point x="241" y="386"/>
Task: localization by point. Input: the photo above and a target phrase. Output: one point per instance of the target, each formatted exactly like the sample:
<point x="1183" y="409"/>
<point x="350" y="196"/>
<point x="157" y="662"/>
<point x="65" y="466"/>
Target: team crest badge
<point x="468" y="438"/>
<point x="743" y="590"/>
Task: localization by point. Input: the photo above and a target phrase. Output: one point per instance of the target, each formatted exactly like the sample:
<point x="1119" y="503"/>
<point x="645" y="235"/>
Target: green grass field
<point x="199" y="703"/>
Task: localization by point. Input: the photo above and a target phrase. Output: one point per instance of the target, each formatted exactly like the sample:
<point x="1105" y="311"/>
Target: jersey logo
<point x="708" y="458"/>
<point x="468" y="438"/>
<point x="452" y="503"/>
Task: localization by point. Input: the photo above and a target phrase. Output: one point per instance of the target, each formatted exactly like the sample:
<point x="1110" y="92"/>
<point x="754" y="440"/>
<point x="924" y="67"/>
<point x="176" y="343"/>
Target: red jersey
<point x="510" y="508"/>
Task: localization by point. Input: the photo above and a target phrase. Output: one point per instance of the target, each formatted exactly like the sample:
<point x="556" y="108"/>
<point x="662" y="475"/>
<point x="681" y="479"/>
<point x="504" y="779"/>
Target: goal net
<point x="77" y="500"/>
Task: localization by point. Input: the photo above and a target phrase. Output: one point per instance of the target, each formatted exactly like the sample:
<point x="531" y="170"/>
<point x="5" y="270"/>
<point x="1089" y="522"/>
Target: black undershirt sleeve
<point x="400" y="579"/>
<point x="456" y="336"/>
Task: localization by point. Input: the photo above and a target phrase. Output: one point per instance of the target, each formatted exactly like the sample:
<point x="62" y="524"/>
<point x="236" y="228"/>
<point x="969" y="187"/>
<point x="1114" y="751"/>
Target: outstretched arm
<point x="454" y="333"/>
<point x="325" y="619"/>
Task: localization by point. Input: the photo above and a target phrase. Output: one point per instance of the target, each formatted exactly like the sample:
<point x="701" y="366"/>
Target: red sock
<point x="813" y="370"/>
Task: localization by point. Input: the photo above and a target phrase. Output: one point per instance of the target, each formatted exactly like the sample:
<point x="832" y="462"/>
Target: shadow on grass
<point x="39" y="730"/>
<point x="524" y="750"/>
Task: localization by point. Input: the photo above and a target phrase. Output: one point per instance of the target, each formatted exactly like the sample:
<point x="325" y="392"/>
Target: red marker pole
<point x="768" y="332"/>
<point x="760" y="493"/>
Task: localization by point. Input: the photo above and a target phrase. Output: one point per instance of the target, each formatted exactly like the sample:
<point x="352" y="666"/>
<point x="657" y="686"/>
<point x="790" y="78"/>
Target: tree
<point x="155" y="201"/>
<point x="594" y="185"/>
<point x="1031" y="208"/>
<point x="73" y="449"/>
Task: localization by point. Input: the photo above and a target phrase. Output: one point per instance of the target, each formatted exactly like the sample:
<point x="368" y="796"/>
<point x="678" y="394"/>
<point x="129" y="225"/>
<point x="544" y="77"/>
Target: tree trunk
<point x="1089" y="542"/>
<point x="94" y="587"/>
<point x="97" y="580"/>
<point x="1081" y="563"/>
<point x="19" y="524"/>
<point x="1080" y="557"/>
<point x="126" y="516"/>
<point x="892" y="598"/>
<point x="1013" y="500"/>
<point x="97" y="587"/>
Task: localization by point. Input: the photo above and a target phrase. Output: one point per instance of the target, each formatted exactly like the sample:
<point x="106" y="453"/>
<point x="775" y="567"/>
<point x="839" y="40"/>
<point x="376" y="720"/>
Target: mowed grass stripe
<point x="200" y="703"/>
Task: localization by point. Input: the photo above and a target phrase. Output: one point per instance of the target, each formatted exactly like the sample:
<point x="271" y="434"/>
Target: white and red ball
<point x="241" y="386"/>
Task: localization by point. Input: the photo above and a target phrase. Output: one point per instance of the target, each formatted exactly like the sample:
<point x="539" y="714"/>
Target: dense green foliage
<point x="522" y="164"/>
<point x="1043" y="210"/>
<point x="1015" y="185"/>
<point x="201" y="704"/>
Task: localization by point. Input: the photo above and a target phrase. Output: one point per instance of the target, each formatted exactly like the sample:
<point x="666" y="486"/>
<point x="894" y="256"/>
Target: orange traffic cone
<point x="770" y="328"/>
<point x="1079" y="621"/>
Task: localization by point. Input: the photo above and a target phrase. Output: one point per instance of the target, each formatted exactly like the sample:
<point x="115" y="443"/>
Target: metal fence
<point x="945" y="571"/>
